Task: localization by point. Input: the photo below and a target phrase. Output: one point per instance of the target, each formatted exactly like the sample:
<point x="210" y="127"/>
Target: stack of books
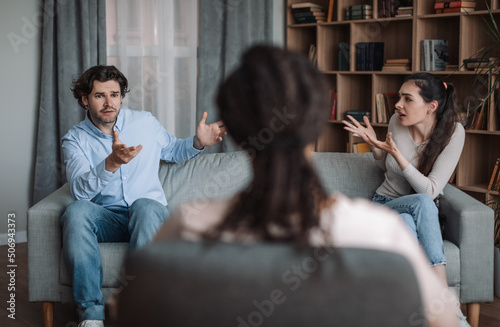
<point x="397" y="65"/>
<point x="404" y="11"/>
<point x="308" y="12"/>
<point x="369" y="56"/>
<point x="358" y="115"/>
<point x="447" y="6"/>
<point x="395" y="8"/>
<point x="479" y="64"/>
<point x="358" y="12"/>
<point x="433" y="55"/>
<point x="451" y="68"/>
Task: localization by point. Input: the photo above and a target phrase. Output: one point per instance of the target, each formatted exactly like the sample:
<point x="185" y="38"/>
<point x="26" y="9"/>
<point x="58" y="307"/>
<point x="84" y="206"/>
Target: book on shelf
<point x="309" y="20"/>
<point x="397" y="65"/>
<point x="369" y="56"/>
<point x="494" y="184"/>
<point x="404" y="11"/>
<point x="380" y="108"/>
<point x="398" y="61"/>
<point x="332" y="12"/>
<point x="450" y="67"/>
<point x="344" y="57"/>
<point x="333" y="104"/>
<point x="306" y="9"/>
<point x="433" y="55"/>
<point x="391" y="99"/>
<point x="477" y="119"/>
<point x="358" y="12"/>
<point x="361" y="147"/>
<point x="389" y="8"/>
<point x="306" y="13"/>
<point x="358" y="115"/>
<point x="396" y="68"/>
<point x="452" y="10"/>
<point x="316" y="14"/>
<point x="494" y="113"/>
<point x="306" y="5"/>
<point x="361" y="55"/>
<point x="313" y="54"/>
<point x="454" y="4"/>
<point x="473" y="63"/>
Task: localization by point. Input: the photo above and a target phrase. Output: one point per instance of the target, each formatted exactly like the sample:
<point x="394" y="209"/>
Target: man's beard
<point x="101" y="120"/>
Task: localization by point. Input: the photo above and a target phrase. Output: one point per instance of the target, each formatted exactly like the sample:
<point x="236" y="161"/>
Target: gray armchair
<point x="468" y="239"/>
<point x="187" y="284"/>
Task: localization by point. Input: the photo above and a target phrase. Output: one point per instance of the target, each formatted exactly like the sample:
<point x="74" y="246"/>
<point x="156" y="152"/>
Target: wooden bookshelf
<point x="356" y="90"/>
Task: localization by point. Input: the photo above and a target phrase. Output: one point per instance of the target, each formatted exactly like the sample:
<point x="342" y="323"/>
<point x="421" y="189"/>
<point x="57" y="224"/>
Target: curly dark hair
<point x="279" y="98"/>
<point x="82" y="87"/>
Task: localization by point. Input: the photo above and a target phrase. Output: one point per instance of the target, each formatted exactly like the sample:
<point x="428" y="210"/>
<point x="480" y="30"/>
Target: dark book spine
<point x="361" y="56"/>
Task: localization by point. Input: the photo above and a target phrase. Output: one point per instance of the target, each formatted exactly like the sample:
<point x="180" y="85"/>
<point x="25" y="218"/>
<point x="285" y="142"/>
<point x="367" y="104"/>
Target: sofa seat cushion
<point x="207" y="176"/>
<point x="354" y="174"/>
<point x="113" y="257"/>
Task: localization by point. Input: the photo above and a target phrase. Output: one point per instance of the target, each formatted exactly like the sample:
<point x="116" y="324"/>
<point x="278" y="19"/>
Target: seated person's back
<point x="275" y="105"/>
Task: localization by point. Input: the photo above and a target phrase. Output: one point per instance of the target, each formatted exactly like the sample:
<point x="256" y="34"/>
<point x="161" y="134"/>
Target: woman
<point x="285" y="201"/>
<point x="422" y="148"/>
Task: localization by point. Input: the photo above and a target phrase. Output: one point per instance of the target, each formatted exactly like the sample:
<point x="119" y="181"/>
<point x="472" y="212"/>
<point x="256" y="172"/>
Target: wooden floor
<point x="30" y="314"/>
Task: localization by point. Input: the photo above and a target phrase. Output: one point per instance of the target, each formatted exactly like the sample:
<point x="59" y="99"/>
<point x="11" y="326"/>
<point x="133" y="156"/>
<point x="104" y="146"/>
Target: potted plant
<point x="487" y="64"/>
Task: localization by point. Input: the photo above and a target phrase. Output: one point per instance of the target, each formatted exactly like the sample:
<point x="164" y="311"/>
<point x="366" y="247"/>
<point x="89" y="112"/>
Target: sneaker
<point x="91" y="323"/>
<point x="462" y="321"/>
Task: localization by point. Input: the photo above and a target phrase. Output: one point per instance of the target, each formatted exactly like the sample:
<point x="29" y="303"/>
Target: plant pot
<point x="497" y="271"/>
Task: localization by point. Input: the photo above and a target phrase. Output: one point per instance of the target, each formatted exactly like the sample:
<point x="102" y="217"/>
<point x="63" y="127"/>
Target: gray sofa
<point x="468" y="229"/>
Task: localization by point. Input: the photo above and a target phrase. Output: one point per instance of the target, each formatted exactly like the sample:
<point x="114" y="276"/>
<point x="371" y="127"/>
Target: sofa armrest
<point x="44" y="245"/>
<point x="469" y="225"/>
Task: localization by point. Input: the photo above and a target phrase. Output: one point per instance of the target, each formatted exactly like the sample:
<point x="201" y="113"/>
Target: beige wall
<point x="19" y="79"/>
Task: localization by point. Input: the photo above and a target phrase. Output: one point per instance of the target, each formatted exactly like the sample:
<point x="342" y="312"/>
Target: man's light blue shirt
<point x="85" y="149"/>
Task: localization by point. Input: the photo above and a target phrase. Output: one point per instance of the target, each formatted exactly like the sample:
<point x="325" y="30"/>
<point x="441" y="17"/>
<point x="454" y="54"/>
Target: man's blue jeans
<point x="85" y="224"/>
<point x="420" y="214"/>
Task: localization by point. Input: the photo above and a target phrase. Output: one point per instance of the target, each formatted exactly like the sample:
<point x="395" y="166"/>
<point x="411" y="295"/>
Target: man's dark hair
<point x="82" y="87"/>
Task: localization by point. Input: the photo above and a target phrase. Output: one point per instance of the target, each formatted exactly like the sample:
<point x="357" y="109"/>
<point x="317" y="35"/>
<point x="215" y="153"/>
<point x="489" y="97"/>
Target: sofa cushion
<point x="354" y="174"/>
<point x="205" y="177"/>
<point x="221" y="175"/>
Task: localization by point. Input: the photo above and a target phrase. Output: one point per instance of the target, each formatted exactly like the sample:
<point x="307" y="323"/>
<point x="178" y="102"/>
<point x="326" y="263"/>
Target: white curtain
<point x="153" y="43"/>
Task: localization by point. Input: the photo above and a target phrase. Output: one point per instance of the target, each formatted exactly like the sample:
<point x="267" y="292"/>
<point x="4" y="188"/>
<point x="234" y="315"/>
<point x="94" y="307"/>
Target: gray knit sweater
<point x="398" y="183"/>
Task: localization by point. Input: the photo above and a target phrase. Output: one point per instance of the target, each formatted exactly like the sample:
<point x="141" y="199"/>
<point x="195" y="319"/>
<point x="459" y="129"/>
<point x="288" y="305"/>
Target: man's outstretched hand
<point x="207" y="135"/>
<point x="121" y="154"/>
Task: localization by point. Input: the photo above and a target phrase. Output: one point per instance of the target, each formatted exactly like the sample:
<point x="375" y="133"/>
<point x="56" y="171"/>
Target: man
<point x="119" y="195"/>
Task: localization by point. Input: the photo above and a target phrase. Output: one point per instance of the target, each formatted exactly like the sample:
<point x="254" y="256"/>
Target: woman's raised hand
<point x="359" y="130"/>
